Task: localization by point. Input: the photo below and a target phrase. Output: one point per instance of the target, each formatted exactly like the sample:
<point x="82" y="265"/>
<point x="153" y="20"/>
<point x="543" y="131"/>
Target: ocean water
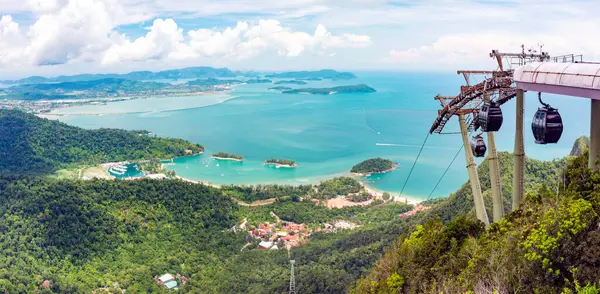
<point x="326" y="135"/>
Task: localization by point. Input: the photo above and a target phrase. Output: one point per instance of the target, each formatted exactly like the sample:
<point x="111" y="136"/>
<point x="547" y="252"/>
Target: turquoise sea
<point x="326" y="135"/>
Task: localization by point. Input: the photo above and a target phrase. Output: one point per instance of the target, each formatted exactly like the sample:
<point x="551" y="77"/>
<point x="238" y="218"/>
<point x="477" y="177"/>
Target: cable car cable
<point x="414" y="163"/>
<point x="446" y="171"/>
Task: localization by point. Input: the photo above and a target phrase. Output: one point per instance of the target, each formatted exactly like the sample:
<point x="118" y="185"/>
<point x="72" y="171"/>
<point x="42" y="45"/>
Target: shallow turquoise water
<point x="326" y="135"/>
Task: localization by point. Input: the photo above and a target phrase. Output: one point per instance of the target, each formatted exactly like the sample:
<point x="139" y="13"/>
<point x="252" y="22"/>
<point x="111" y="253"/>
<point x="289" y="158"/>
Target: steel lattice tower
<point x="292" y="278"/>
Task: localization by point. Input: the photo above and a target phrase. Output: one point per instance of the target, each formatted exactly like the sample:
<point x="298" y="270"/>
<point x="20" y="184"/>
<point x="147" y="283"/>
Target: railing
<point x="569" y="58"/>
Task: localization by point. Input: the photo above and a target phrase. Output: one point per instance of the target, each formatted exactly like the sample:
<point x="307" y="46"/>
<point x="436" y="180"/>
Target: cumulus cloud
<point x="11" y="40"/>
<point x="162" y="39"/>
<point x="165" y="40"/>
<point x="68" y="31"/>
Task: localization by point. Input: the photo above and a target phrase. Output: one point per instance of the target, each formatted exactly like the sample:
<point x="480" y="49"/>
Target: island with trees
<point x="314" y="79"/>
<point x="280" y="88"/>
<point x="258" y="81"/>
<point x="362" y="88"/>
<point x="373" y="166"/>
<point x="281" y="162"/>
<point x="290" y="82"/>
<point x="227" y="156"/>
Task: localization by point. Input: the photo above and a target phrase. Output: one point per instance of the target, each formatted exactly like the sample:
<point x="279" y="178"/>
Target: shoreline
<point x="278" y="165"/>
<point x="54" y="114"/>
<point x="379" y="194"/>
<point x="227" y="158"/>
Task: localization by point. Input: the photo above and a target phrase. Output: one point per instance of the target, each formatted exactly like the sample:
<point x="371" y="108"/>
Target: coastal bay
<point x="326" y="134"/>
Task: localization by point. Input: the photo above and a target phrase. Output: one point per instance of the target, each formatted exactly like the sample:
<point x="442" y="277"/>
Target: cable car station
<point x="478" y="108"/>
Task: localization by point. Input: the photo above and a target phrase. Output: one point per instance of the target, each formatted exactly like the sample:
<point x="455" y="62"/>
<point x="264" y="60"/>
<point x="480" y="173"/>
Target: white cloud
<point x="472" y="50"/>
<point x="69" y="31"/>
<point x="11" y="40"/>
<point x="162" y="39"/>
<point x="243" y="41"/>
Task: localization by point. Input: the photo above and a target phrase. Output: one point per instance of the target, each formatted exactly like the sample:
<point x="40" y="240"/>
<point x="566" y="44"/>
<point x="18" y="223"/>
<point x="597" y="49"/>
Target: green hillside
<point x="549" y="245"/>
<point x="32" y="145"/>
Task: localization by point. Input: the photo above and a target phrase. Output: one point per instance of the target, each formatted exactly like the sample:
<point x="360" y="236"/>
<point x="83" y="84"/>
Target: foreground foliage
<point x="551" y="244"/>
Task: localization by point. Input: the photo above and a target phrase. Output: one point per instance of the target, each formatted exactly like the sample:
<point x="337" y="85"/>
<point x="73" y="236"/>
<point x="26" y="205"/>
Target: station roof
<point x="572" y="79"/>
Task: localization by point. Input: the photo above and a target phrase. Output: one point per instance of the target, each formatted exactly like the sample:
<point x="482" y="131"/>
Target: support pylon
<point x="519" y="154"/>
<point x="473" y="176"/>
<point x="594" y="134"/>
<point x="292" y="278"/>
<point x="492" y="158"/>
<point x="497" y="202"/>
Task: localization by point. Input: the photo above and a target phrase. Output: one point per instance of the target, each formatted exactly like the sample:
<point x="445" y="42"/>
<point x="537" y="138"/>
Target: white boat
<point x="120" y="168"/>
<point x="113" y="170"/>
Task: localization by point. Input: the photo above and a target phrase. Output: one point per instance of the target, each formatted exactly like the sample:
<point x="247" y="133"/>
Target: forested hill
<point x="85" y="235"/>
<point x="32" y="145"/>
<point x="550" y="245"/>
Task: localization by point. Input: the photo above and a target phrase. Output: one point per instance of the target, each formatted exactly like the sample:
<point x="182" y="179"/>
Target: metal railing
<point x="569" y="58"/>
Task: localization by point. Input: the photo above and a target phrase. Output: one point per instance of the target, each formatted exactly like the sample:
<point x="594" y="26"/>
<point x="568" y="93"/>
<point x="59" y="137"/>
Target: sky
<point x="53" y="37"/>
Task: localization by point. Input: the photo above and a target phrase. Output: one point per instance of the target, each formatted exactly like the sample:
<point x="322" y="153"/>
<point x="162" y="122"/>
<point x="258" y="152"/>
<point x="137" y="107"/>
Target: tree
<point x="386" y="196"/>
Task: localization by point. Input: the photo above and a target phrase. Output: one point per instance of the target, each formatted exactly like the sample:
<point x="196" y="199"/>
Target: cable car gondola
<point x="490" y="117"/>
<point x="478" y="146"/>
<point x="547" y="124"/>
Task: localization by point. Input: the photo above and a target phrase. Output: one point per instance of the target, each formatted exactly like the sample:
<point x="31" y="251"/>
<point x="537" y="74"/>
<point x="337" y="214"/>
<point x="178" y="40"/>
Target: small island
<point x="335" y="90"/>
<point x="259" y="81"/>
<point x="290" y="82"/>
<point x="280" y="88"/>
<point x="281" y="162"/>
<point x="227" y="156"/>
<point x="373" y="166"/>
<point x="309" y="79"/>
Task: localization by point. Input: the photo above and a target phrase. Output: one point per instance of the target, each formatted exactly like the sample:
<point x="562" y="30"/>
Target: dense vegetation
<point x="322" y="74"/>
<point x="373" y="165"/>
<point x="32" y="145"/>
<point x="85" y="235"/>
<point x="263" y="192"/>
<point x="335" y="90"/>
<point x="287" y="162"/>
<point x="549" y="245"/>
<point x="183" y="73"/>
<point x="290" y="82"/>
<point x="227" y="155"/>
<point x="336" y="187"/>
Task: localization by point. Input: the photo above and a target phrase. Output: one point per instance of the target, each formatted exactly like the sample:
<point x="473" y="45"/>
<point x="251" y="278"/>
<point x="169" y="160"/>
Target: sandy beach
<point x="379" y="195"/>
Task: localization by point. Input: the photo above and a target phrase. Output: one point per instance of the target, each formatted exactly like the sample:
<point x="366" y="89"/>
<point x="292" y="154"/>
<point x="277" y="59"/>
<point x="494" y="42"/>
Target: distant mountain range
<point x="174" y="74"/>
<point x="184" y="73"/>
